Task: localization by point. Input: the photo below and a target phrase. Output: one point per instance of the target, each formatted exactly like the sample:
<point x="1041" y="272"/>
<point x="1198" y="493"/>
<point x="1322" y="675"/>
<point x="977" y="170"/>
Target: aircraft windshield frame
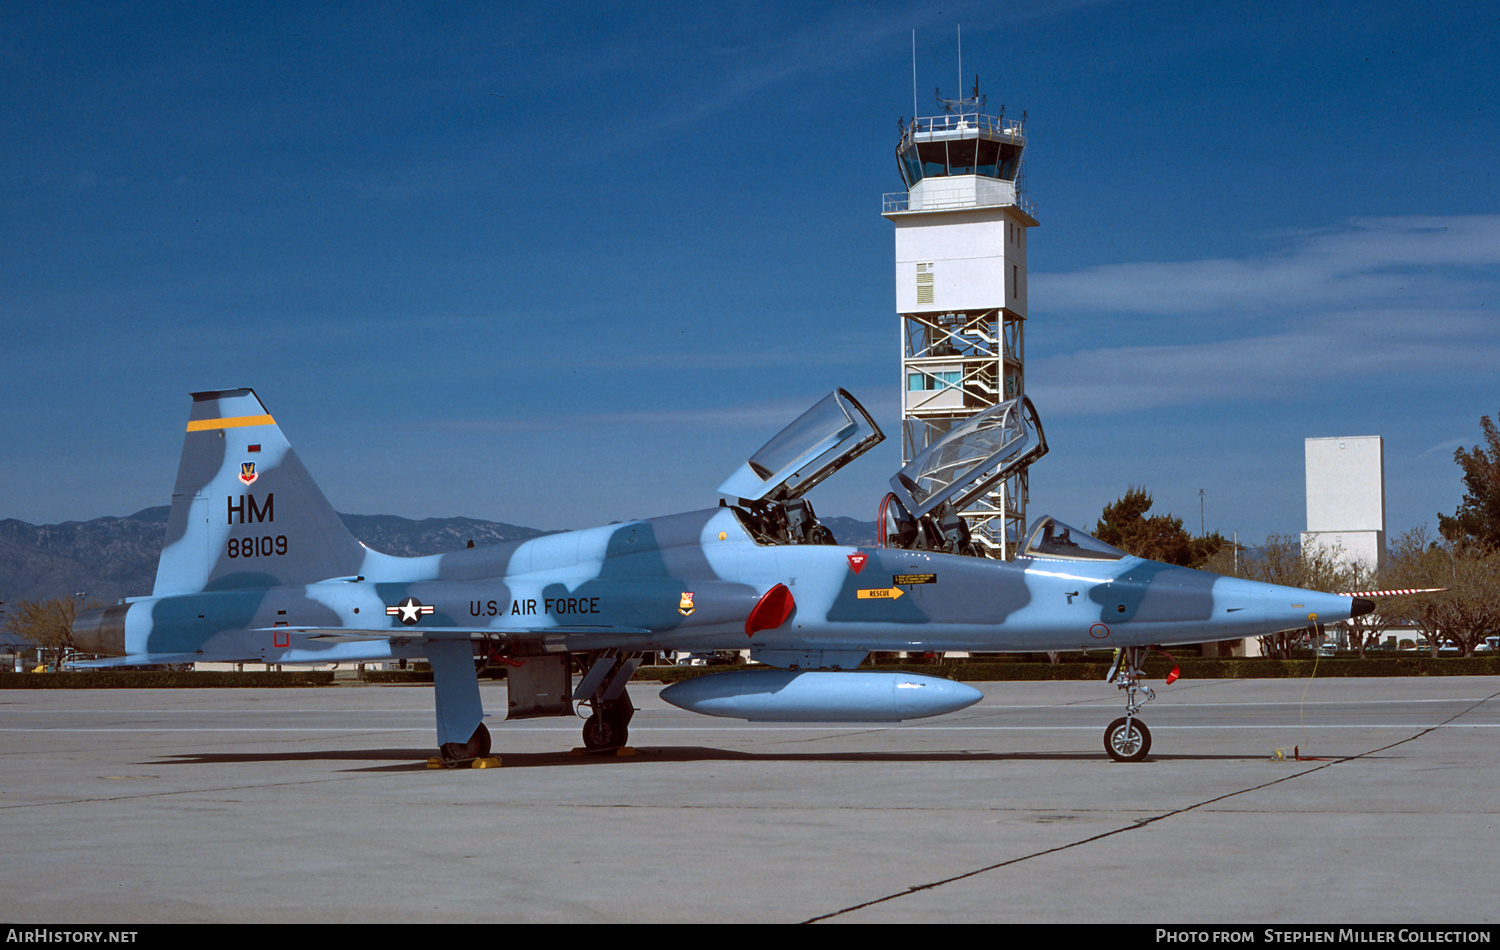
<point x="974" y="455"/>
<point x="1050" y="538"/>
<point x="818" y="443"/>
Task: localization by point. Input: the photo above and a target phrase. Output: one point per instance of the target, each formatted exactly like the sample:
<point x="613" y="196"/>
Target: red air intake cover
<point x="771" y="611"/>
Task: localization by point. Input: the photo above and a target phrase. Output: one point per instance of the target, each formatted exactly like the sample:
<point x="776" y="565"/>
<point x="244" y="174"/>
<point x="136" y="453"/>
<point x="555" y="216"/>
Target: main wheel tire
<point x="479" y="742"/>
<point x="1127" y="744"/>
<point x="603" y="732"/>
<point x="455" y="754"/>
<point x="622" y="725"/>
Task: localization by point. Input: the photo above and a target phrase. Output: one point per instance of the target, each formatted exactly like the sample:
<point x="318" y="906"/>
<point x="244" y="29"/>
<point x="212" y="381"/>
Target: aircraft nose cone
<point x="1361" y="607"/>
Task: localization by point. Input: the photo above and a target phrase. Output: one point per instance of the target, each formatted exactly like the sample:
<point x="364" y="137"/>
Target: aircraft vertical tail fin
<point x="245" y="513"/>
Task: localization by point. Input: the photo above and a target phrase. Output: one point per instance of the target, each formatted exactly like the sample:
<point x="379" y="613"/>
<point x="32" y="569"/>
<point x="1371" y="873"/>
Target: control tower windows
<point x="965" y="156"/>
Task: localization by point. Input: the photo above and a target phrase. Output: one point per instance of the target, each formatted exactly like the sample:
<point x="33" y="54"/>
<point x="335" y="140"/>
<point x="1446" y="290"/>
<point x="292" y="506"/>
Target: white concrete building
<point x="1346" y="498"/>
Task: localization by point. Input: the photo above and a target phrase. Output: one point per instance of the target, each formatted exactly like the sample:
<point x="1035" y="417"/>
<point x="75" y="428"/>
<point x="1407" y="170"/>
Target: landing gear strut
<point x="1127" y="739"/>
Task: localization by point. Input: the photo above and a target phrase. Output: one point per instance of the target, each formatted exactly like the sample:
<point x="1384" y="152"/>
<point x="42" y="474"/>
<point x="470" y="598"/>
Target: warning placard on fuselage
<point x="903" y="580"/>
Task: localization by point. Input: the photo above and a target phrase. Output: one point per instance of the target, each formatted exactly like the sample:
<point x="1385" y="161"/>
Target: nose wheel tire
<point x="1127" y="740"/>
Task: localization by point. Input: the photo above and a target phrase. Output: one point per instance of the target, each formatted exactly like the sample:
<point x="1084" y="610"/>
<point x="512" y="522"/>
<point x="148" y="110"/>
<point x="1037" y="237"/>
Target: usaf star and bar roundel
<point x="410" y="610"/>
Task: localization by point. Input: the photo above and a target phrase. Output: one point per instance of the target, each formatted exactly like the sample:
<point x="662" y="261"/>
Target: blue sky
<point x="564" y="264"/>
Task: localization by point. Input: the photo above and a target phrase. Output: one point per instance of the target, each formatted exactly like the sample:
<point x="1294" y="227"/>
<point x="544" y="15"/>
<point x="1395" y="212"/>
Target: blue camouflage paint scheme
<point x="266" y="572"/>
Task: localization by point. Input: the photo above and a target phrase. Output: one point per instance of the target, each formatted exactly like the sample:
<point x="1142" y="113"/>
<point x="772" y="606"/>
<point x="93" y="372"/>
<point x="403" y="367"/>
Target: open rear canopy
<point x="972" y="457"/>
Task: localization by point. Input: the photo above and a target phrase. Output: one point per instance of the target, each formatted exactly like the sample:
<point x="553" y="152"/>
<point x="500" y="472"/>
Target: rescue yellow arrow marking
<point x="879" y="593"/>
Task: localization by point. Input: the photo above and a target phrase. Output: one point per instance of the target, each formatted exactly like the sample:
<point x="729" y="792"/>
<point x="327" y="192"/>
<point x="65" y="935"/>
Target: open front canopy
<point x="824" y="439"/>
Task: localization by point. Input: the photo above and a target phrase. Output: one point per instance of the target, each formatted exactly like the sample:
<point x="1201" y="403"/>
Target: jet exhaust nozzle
<point x="101" y="631"/>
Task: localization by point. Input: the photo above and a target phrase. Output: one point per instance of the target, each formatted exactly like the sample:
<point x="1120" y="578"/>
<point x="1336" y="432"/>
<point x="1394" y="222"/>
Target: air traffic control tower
<point x="961" y="287"/>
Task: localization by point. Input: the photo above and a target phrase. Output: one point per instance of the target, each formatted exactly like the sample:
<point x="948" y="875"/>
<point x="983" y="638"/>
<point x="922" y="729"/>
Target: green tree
<point x="47" y="623"/>
<point x="1364" y="632"/>
<point x="1158" y="538"/>
<point x="1467" y="610"/>
<point x="1477" y="520"/>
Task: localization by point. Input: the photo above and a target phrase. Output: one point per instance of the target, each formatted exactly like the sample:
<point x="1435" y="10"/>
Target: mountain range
<point x="109" y="558"/>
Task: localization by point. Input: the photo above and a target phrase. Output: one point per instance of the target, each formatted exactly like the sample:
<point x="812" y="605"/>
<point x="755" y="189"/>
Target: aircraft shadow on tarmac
<point x="406" y="760"/>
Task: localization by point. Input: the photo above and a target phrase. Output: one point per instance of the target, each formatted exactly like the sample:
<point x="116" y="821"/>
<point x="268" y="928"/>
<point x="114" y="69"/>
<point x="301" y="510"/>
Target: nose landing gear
<point x="1127" y="739"/>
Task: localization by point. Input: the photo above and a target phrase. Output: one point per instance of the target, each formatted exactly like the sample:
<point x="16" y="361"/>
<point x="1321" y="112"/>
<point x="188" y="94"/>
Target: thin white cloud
<point x="1443" y="449"/>
<point x="1393" y="347"/>
<point x="838" y="42"/>
<point x="769" y="416"/>
<point x="1431" y="259"/>
<point x="1401" y="300"/>
<point x="765" y="415"/>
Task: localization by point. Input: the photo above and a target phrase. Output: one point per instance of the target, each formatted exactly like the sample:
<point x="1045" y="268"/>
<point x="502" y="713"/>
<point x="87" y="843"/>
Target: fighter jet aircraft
<point x="258" y="568"/>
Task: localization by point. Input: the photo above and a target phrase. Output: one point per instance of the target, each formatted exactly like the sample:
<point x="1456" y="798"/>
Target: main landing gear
<point x="1127" y="739"/>
<point x="602" y="690"/>
<point x="609" y="725"/>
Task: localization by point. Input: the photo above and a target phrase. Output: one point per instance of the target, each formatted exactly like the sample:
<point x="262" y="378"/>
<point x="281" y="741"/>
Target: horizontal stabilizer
<point x="154" y="659"/>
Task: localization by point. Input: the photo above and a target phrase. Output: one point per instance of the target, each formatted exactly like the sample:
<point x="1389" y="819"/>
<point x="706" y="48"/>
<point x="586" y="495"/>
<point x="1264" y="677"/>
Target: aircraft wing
<point x="601" y="636"/>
